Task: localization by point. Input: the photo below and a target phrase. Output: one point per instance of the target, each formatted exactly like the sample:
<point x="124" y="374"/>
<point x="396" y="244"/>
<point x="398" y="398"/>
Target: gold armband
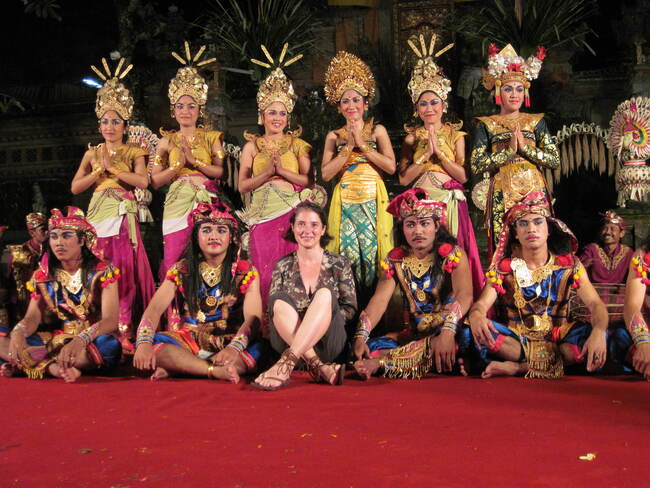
<point x="220" y="154"/>
<point x="158" y="160"/>
<point x="365" y="148"/>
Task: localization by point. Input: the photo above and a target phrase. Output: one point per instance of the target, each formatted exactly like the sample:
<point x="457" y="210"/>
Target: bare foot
<point x="503" y="368"/>
<point x="228" y="373"/>
<point x="159" y="374"/>
<point x="70" y="375"/>
<point x="462" y="368"/>
<point x="7" y="370"/>
<point x="55" y="370"/>
<point x="232" y="374"/>
<point x="366" y="367"/>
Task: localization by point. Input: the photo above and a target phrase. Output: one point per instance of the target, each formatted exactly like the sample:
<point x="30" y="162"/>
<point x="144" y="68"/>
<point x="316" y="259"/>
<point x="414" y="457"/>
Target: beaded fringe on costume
<point x="544" y="359"/>
<point x="410" y="361"/>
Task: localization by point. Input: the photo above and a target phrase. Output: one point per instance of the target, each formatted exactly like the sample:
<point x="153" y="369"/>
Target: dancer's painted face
<point x="430" y="107"/>
<point x="420" y="232"/>
<point x="214" y="239"/>
<point x="65" y="244"/>
<point x="275" y="118"/>
<point x="532" y="231"/>
<point x="352" y="105"/>
<point x="186" y="111"/>
<point x="512" y="95"/>
<point x="111" y="126"/>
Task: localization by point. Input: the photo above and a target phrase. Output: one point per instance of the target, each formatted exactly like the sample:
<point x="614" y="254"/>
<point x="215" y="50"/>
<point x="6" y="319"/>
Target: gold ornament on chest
<point x="211" y="275"/>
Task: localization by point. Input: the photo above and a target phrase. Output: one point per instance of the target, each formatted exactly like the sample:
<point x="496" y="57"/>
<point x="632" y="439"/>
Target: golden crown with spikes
<point x="348" y="72"/>
<point x="113" y="95"/>
<point x="276" y="87"/>
<point x="427" y="75"/>
<point x="188" y="81"/>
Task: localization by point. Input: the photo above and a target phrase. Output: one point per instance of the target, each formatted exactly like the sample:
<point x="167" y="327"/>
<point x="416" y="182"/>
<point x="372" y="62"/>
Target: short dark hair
<point x="318" y="210"/>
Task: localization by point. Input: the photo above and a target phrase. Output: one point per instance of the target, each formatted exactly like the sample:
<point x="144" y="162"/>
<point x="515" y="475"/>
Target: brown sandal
<point x="285" y="364"/>
<point x="314" y="366"/>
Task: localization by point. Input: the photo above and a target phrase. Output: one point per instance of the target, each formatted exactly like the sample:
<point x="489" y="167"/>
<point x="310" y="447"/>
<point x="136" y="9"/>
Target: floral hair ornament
<point x="611" y="217"/>
<point x="34" y="220"/>
<point x="188" y="81"/>
<point x="415" y="202"/>
<point x="348" y="72"/>
<point x="276" y="87"/>
<point x="113" y="95"/>
<point x="535" y="203"/>
<point x="427" y="75"/>
<point x="216" y="212"/>
<point x="506" y="65"/>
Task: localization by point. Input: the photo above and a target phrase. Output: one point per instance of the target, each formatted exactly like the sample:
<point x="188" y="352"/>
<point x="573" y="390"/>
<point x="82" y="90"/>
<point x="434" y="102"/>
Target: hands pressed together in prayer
<point x="517" y="139"/>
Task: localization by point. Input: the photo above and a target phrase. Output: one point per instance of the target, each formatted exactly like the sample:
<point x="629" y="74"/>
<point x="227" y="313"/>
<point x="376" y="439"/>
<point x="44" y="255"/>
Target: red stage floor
<point x="440" y="431"/>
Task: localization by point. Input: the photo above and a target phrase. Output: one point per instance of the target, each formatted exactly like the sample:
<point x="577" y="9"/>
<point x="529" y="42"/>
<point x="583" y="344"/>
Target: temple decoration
<point x="629" y="141"/>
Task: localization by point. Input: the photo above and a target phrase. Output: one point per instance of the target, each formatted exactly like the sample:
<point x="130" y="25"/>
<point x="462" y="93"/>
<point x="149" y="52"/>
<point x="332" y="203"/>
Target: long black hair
<point x="193" y="256"/>
<point x="443" y="236"/>
<point x="88" y="259"/>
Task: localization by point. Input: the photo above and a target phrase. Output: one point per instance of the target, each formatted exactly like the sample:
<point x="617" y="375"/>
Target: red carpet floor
<point x="440" y="431"/>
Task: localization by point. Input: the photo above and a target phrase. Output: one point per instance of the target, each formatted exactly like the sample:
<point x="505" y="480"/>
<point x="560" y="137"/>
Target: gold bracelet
<point x="420" y="161"/>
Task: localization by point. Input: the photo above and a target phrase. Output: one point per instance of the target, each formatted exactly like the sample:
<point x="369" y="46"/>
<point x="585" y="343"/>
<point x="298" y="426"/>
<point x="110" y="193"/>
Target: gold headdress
<point x="188" y="81"/>
<point x="348" y="72"/>
<point x="113" y="95"/>
<point x="506" y="65"/>
<point x="427" y="75"/>
<point x="34" y="220"/>
<point x="276" y="87"/>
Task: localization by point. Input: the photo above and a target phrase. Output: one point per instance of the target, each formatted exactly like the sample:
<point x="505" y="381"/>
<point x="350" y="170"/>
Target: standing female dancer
<point x="186" y="158"/>
<point x="274" y="168"/>
<point x="358" y="154"/>
<point x="433" y="154"/>
<point x="114" y="169"/>
<point x="511" y="146"/>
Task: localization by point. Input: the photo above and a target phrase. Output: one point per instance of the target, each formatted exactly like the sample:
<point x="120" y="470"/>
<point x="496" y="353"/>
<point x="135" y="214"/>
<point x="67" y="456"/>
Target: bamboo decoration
<point x="583" y="146"/>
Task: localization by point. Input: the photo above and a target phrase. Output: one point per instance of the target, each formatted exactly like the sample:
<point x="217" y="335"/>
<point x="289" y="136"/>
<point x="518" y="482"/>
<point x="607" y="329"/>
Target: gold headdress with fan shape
<point x="276" y="87"/>
<point x="113" y="95"/>
<point x="188" y="81"/>
<point x="427" y="75"/>
<point x="348" y="72"/>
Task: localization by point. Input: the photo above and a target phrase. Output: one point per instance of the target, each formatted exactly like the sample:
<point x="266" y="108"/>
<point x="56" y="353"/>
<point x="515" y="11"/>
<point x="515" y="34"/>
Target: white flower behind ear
<point x="115" y="55"/>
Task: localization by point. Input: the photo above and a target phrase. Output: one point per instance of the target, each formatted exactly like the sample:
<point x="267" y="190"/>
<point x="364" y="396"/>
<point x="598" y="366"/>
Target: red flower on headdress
<point x="514" y="67"/>
<point x="564" y="260"/>
<point x="492" y="50"/>
<point x="541" y="53"/>
<point x="396" y="254"/>
<point x="505" y="265"/>
<point x="445" y="249"/>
